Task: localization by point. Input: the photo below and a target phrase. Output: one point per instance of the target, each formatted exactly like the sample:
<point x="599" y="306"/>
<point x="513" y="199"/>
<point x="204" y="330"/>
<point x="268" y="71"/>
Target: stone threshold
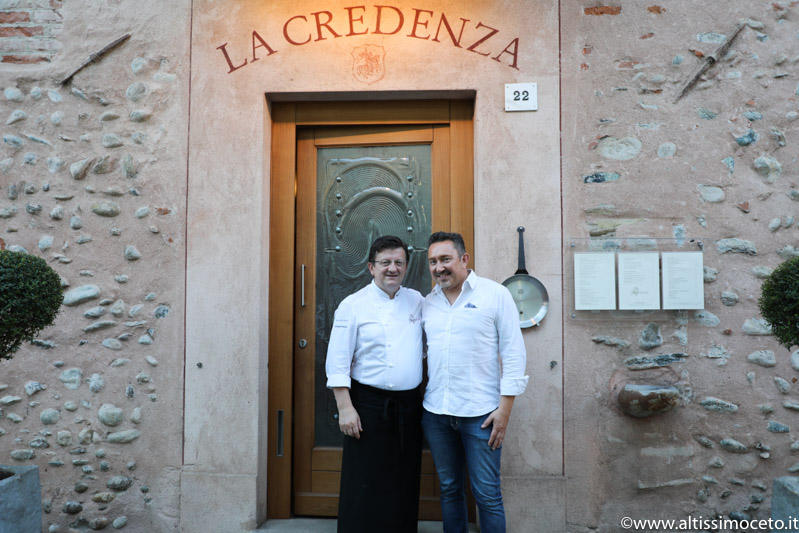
<point x="328" y="525"/>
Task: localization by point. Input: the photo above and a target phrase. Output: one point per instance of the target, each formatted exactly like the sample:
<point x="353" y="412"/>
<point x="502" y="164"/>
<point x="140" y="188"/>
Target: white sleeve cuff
<point x="338" y="380"/>
<point x="513" y="386"/>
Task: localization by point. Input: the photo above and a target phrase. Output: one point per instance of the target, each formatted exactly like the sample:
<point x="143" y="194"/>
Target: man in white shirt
<point x="472" y="328"/>
<point x="374" y="366"/>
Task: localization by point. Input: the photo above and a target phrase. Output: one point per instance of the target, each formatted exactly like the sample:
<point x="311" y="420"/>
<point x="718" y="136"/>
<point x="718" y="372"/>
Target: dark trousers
<point x="380" y="471"/>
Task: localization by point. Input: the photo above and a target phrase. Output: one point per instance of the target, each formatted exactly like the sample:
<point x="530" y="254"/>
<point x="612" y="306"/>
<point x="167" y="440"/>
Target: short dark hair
<point x="387" y="242"/>
<point x="441" y="236"/>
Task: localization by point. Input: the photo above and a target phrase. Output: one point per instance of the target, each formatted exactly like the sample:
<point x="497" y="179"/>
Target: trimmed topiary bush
<point x="779" y="302"/>
<point x="30" y="298"/>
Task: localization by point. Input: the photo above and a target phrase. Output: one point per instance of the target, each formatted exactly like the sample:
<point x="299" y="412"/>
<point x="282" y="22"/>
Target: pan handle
<point x="521" y="270"/>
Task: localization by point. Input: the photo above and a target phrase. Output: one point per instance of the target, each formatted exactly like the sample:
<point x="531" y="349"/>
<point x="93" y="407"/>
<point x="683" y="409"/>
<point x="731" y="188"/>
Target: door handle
<point x="280" y="432"/>
<point x="302" y="287"/>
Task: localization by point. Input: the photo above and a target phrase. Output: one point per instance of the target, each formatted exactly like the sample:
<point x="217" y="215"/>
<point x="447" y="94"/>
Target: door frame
<point x="457" y="196"/>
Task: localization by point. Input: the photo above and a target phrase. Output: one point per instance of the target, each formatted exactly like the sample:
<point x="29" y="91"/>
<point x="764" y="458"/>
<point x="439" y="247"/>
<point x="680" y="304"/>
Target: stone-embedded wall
<point x="720" y="166"/>
<point x="30" y="30"/>
<point x="92" y="179"/>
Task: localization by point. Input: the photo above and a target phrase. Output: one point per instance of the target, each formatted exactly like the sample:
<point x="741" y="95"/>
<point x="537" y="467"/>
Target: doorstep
<point x="327" y="525"/>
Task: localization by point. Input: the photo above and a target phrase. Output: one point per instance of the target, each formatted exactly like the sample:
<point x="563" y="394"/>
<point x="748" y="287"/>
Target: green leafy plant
<point x="779" y="302"/>
<point x="30" y="298"/>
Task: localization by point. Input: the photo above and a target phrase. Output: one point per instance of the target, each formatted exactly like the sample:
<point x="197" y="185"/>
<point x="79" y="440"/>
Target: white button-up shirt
<point x="377" y="340"/>
<point x="465" y="341"/>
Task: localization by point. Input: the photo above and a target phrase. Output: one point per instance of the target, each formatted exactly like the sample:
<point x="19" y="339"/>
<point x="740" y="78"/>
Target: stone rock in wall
<point x="761" y="272"/>
<point x="704" y="441"/>
<point x="734" y="245"/>
<point x="756" y="326"/>
<point x="136" y="91"/>
<point x="102" y="324"/>
<point x="783" y="386"/>
<point x="716" y="462"/>
<point x="18" y="115"/>
<point x="71" y="507"/>
<point x="619" y="149"/>
<point x="64" y="438"/>
<point x="124" y="437"/>
<point x="111" y="140"/>
<point x="106" y="209"/>
<point x="49" y="416"/>
<point x="667" y="150"/>
<point x="119" y="483"/>
<point x="8" y="212"/>
<point x="601" y="177"/>
<point x="776" y="427"/>
<point x="118" y="308"/>
<point x="110" y="415"/>
<point x="651" y="337"/>
<point x="96" y="383"/>
<point x="95" y="312"/>
<point x="643" y="362"/>
<point x="129" y="167"/>
<point x="81" y="294"/>
<point x="71" y="378"/>
<point x="13" y="94"/>
<point x="665" y="484"/>
<point x="750" y="137"/>
<point x="140" y="115"/>
<point x="79" y="169"/>
<point x="706" y="318"/>
<point x="104" y="165"/>
<point x="13" y="141"/>
<point x="647" y="400"/>
<point x="711" y="194"/>
<point x="733" y="446"/>
<point x="788" y="252"/>
<point x="768" y="167"/>
<point x="32" y="387"/>
<point x="763" y="358"/>
<point x="112" y="344"/>
<point x="717" y="405"/>
<point x="793" y="406"/>
<point x="10" y="400"/>
<point x="132" y="253"/>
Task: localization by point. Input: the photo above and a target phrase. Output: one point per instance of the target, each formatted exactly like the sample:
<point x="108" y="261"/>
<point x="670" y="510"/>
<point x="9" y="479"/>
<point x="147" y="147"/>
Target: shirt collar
<point x="381" y="293"/>
<point x="471" y="281"/>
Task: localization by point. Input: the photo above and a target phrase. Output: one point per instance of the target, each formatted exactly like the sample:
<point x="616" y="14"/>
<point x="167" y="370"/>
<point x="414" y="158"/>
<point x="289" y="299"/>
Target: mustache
<point x="443" y="272"/>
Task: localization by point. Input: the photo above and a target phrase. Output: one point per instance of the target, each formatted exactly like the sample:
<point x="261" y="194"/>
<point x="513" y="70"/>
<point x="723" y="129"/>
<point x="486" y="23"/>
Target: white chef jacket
<point x="464" y="343"/>
<point x="377" y="340"/>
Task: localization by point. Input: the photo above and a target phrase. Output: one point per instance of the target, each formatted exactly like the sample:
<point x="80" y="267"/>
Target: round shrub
<point x="779" y="302"/>
<point x="30" y="298"/>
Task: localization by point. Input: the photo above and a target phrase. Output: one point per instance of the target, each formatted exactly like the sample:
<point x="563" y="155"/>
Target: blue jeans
<point x="458" y="443"/>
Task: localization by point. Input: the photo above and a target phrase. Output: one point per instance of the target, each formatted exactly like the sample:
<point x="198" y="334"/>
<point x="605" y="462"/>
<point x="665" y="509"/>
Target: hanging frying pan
<point x="530" y="296"/>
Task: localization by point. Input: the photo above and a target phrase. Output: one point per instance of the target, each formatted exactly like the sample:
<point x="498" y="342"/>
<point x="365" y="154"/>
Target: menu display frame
<point x="634" y="261"/>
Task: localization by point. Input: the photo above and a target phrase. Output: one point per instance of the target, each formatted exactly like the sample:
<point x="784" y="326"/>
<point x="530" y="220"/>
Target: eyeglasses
<point x="385" y="263"/>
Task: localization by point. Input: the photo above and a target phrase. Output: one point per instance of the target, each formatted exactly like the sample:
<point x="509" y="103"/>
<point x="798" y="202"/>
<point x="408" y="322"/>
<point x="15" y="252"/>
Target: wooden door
<point x="353" y="183"/>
